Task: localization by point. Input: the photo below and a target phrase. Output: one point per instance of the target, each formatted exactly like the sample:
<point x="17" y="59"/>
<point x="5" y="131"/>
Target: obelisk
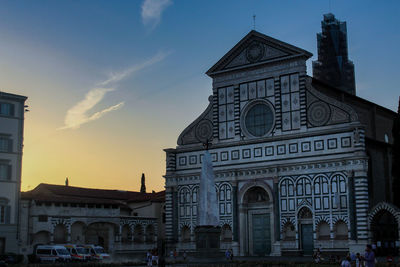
<point x="207" y="230"/>
<point x="208" y="205"/>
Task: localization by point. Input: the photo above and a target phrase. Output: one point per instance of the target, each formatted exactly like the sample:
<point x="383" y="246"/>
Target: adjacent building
<point x="123" y="222"/>
<point x="300" y="163"/>
<point x="11" y="143"/>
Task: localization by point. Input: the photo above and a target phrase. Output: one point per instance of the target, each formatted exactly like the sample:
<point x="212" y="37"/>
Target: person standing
<point x="369" y="257"/>
<point x="149" y="258"/>
<point x="359" y="261"/>
<point x="346" y="262"/>
<point x="227" y="254"/>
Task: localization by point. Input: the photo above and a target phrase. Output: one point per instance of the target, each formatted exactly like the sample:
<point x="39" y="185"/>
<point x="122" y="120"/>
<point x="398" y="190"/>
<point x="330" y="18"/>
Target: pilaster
<point x="361" y="203"/>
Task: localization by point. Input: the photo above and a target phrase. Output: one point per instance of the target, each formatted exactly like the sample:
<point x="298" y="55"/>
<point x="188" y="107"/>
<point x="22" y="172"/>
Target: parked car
<point x="52" y="253"/>
<point x="97" y="252"/>
<point x="78" y="253"/>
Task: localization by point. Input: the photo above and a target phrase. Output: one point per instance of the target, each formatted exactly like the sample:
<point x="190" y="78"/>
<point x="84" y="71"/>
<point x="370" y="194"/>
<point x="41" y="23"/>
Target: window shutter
<point x="7" y="215"/>
<point x="9" y="172"/>
<point x="12" y="109"/>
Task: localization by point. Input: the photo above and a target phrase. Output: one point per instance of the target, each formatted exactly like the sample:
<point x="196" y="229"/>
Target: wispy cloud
<point x="152" y="11"/>
<point x="118" y="76"/>
<point x="78" y="114"/>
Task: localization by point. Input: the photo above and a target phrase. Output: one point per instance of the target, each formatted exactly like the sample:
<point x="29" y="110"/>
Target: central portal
<point x="261" y="234"/>
<point x="256" y="214"/>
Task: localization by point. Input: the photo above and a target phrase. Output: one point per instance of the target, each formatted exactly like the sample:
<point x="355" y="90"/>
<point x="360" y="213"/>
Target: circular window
<point x="258" y="119"/>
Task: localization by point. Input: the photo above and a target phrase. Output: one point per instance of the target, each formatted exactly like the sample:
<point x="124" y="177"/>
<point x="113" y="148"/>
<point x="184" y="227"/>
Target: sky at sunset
<point x="110" y="84"/>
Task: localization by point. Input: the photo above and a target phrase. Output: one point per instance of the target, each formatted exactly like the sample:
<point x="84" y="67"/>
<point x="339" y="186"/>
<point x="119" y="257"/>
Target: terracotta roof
<point x="72" y="194"/>
<point x="154" y="197"/>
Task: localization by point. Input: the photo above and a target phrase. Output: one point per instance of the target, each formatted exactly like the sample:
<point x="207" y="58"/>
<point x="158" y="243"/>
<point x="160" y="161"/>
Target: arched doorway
<point x="385" y="233"/>
<point x="306" y="232"/>
<point x="256" y="211"/>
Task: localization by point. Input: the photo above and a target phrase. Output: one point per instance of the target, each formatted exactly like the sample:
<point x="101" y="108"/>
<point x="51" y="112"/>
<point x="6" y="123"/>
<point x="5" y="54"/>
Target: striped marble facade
<point x="308" y="168"/>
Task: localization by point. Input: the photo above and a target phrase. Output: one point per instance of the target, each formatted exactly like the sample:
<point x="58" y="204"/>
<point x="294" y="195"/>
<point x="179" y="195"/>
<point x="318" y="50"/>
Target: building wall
<point x="107" y="225"/>
<point x="377" y="122"/>
<point x="11" y="128"/>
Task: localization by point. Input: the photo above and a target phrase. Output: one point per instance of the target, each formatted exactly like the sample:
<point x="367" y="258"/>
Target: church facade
<point x="290" y="160"/>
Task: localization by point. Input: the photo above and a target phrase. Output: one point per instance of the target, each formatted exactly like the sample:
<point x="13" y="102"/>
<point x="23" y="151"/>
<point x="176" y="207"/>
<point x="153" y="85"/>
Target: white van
<point x="78" y="253"/>
<point x="52" y="254"/>
<point x="97" y="252"/>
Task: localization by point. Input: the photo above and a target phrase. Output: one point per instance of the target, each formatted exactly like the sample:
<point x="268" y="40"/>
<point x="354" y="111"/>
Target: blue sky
<point x="113" y="80"/>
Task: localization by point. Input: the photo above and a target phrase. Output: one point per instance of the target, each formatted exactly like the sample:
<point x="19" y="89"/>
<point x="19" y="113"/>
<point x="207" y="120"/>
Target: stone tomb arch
<point x="288" y="231"/>
<point x="226" y="233"/>
<point x="256" y="219"/>
<point x="323" y="231"/>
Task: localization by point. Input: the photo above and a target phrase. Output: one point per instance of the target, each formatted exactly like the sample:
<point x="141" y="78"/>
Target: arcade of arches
<point x="99" y="233"/>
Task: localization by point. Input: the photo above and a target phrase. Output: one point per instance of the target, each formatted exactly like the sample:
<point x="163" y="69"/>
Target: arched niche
<point x="42" y="238"/>
<point x="78" y="233"/>
<point x="150" y="233"/>
<point x="138" y="233"/>
<point x="60" y="234"/>
<point x="126" y="235"/>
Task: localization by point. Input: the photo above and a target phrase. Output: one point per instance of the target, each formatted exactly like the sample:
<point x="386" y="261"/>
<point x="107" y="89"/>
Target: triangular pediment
<point x="256" y="49"/>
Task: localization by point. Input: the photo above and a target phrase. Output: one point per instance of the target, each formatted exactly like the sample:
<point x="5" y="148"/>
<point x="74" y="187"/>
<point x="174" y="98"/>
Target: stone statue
<point x="208" y="204"/>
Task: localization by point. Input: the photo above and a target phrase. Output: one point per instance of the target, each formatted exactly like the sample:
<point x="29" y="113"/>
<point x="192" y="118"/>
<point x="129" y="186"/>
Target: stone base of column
<point x="357" y="246"/>
<point x="276" y="249"/>
<point x="235" y="248"/>
<point x="208" y="241"/>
